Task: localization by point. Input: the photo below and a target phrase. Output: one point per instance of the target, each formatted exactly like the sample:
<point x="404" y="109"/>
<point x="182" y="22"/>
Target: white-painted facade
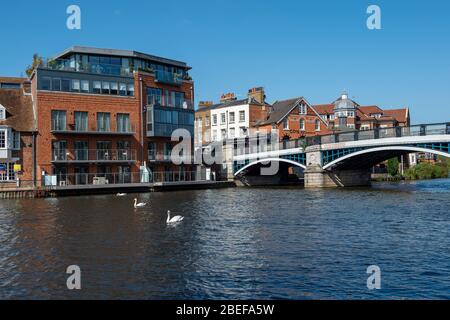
<point x="230" y="122"/>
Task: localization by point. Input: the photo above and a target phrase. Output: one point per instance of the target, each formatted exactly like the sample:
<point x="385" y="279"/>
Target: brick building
<point x="346" y="114"/>
<point x="293" y="119"/>
<point x="17" y="132"/>
<point x="106" y="115"/>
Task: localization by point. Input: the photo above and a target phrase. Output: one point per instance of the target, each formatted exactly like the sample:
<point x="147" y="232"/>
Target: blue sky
<point x="314" y="49"/>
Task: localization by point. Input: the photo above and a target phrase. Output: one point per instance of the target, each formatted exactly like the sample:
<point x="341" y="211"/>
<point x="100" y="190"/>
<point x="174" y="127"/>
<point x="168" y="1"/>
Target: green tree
<point x="37" y="61"/>
<point x="392" y="167"/>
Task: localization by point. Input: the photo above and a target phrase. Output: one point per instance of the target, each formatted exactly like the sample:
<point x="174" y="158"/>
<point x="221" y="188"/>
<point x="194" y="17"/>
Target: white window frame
<point x="4" y="139"/>
<point x="302" y="124"/>
<point x="2" y="112"/>
<point x="317" y="125"/>
<point x="286" y="124"/>
<point x="303" y="109"/>
<point x="242" y="119"/>
<point x="232" y="117"/>
<point x="10" y="174"/>
<point x="223" y="118"/>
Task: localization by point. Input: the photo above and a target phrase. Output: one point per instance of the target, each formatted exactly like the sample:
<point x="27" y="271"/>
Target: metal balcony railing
<point x="168" y="77"/>
<point x="98" y="179"/>
<point x="178" y="103"/>
<point x="97" y="68"/>
<point x="95" y="155"/>
<point x="85" y="128"/>
<point x="159" y="157"/>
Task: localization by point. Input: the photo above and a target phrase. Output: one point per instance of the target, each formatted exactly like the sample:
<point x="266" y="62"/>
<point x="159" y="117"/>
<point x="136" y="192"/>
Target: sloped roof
<point x="19" y="110"/>
<point x="12" y="80"/>
<point x="401" y="115"/>
<point x="324" y="108"/>
<point x="370" y="109"/>
<point x="280" y="109"/>
<point x="231" y="103"/>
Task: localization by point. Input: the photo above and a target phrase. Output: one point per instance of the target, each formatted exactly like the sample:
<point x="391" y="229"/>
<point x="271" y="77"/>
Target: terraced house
<point x="17" y="132"/>
<point x="107" y="116"/>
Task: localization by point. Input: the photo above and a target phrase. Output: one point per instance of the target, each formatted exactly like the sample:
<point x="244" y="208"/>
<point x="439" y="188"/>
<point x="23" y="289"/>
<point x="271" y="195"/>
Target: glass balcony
<point x="94" y="156"/>
<point x="159" y="157"/>
<point x="96" y="68"/>
<point x="60" y="127"/>
<point x="168" y="78"/>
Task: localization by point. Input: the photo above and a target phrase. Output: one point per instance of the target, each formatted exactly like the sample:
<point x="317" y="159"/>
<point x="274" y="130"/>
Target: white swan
<point x="121" y="194"/>
<point x="175" y="219"/>
<point x="138" y="205"/>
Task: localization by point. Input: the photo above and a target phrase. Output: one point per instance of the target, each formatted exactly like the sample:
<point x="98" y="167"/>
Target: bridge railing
<point x="250" y="145"/>
<point x="381" y="133"/>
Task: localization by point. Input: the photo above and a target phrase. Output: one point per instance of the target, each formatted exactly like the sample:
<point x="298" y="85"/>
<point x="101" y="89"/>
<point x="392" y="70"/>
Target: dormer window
<point x="377" y="115"/>
<point x="2" y="112"/>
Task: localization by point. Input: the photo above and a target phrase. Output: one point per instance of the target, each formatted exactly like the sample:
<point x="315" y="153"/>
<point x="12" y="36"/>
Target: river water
<point x="258" y="243"/>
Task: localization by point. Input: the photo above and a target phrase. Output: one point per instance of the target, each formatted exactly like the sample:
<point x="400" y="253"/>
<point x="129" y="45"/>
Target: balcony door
<point x="81" y="175"/>
<point x="123" y="123"/>
<point x="59" y="150"/>
<point x="124" y="174"/>
<point x="59" y="120"/>
<point x="124" y="150"/>
<point x="151" y="151"/>
<point x="154" y="96"/>
<point x="103" y="122"/>
<point x="104" y="151"/>
<point x="81" y="121"/>
<point x="81" y="150"/>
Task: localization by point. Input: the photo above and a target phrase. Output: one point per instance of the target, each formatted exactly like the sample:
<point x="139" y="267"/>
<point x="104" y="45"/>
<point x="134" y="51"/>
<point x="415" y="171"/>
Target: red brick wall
<point x="48" y="101"/>
<point x="26" y="156"/>
<point x="294" y="131"/>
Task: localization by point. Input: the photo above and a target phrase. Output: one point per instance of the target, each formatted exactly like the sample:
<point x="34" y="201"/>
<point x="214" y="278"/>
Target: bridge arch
<point x="269" y="160"/>
<point x="384" y="153"/>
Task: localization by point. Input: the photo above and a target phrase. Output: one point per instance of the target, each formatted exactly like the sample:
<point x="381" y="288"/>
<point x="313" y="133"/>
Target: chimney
<point x="227" y="97"/>
<point x="205" y="104"/>
<point x="26" y="85"/>
<point x="258" y="94"/>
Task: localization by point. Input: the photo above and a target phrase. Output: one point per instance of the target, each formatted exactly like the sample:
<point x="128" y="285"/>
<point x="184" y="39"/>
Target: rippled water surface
<point x="233" y="244"/>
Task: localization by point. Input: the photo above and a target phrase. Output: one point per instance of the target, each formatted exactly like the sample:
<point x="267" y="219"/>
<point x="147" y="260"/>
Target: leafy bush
<point x="424" y="171"/>
<point x="392" y="167"/>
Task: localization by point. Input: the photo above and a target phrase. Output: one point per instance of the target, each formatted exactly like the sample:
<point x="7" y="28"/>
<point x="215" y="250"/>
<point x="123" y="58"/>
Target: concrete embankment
<point x="112" y="189"/>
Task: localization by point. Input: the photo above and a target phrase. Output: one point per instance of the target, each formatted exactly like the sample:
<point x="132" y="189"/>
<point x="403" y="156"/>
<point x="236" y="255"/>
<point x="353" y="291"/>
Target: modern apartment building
<point x="104" y="114"/>
<point x="17" y="132"/>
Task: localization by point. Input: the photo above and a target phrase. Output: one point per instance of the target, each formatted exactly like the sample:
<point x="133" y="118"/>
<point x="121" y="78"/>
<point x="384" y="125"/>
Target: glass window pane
<point x="56" y="84"/>
<point x="65" y="85"/>
<point x="84" y="86"/>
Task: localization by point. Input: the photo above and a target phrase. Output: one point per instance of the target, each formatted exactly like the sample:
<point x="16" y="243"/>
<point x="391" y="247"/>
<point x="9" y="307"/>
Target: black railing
<point x="254" y="144"/>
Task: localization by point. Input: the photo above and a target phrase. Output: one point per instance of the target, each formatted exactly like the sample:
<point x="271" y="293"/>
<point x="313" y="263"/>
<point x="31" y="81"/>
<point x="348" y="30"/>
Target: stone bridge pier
<point x="316" y="177"/>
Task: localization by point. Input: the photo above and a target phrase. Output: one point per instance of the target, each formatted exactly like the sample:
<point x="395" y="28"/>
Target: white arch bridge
<point x="342" y="159"/>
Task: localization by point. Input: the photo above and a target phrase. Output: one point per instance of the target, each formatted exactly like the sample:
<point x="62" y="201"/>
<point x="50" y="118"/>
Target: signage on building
<point x="17" y="168"/>
<point x="2" y="169"/>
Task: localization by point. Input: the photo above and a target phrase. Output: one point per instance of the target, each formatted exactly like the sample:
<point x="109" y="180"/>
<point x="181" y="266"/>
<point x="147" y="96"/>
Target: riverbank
<point x="79" y="190"/>
<point x="422" y="171"/>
